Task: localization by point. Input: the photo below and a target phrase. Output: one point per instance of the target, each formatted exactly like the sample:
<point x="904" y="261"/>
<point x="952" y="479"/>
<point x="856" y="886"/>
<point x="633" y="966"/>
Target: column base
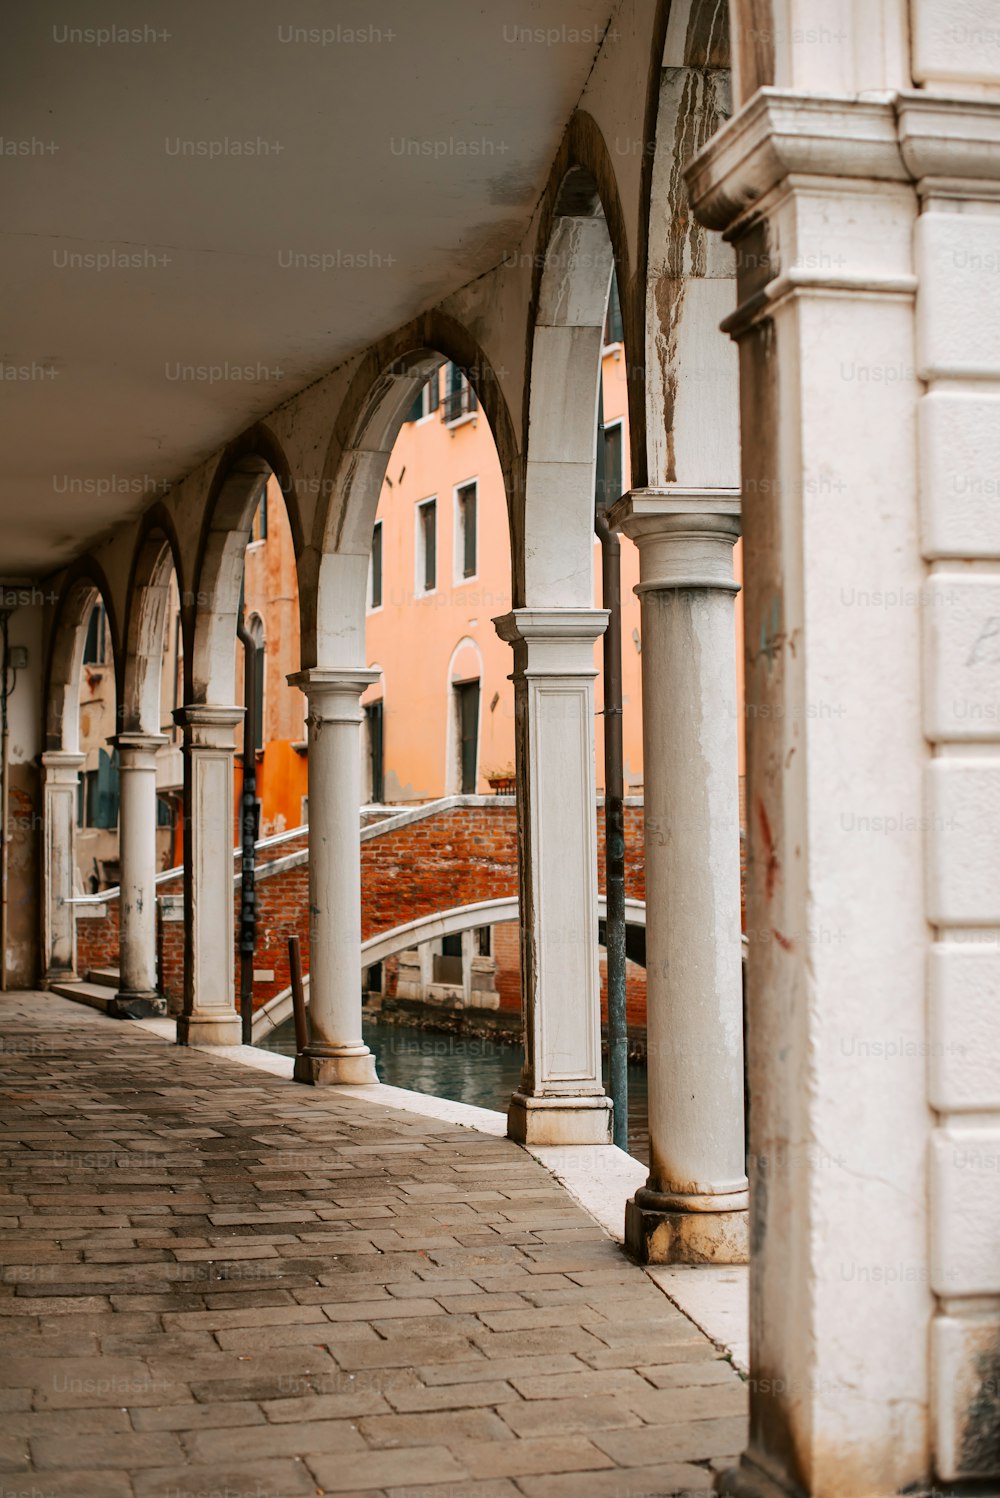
<point x="356" y="1069"/>
<point x="750" y="1481"/>
<point x="55" y="975"/>
<point x="662" y="1235"/>
<point x="207" y="1029"/>
<point x="136" y="1005"/>
<point x="559" y="1120"/>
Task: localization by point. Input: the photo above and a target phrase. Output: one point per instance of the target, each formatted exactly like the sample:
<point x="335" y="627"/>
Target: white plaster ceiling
<point x="95" y="400"/>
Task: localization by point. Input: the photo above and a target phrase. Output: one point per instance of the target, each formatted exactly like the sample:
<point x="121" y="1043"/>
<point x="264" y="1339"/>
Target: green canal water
<point x="464" y="1068"/>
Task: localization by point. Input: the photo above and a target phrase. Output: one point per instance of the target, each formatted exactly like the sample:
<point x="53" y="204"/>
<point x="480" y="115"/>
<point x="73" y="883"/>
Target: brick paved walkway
<point x="218" y="1284"/>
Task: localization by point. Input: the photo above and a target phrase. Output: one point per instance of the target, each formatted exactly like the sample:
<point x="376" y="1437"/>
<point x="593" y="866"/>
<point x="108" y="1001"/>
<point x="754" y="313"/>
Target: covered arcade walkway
<point x="226" y="1283"/>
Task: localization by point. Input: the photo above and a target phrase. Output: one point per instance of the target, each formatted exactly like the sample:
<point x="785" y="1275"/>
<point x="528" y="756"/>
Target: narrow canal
<point x="464" y="1068"/>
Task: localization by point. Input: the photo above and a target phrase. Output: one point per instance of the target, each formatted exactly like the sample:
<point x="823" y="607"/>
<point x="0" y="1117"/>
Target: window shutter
<point x="417" y="409"/>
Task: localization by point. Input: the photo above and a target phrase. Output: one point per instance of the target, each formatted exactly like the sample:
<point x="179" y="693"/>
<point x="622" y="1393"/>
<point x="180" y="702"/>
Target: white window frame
<point x="458" y="533"/>
<point x="619" y="422"/>
<point x="465" y="416"/>
<point x="419" y="559"/>
<point x="426" y="414"/>
<point x="375" y="608"/>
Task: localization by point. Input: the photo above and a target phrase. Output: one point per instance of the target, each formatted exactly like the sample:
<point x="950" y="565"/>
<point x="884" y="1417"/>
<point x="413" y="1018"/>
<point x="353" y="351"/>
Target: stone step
<point x="106" y="977"/>
<point x="97" y="995"/>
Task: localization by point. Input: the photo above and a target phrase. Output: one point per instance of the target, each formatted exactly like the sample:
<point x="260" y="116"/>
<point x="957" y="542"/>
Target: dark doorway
<point x="468" y="731"/>
<point x="376" y="751"/>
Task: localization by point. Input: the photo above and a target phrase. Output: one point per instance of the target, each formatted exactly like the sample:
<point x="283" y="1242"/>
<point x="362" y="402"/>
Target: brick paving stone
<point x="432" y="1429"/>
<point x="217" y="1281"/>
<point x="663" y="1406"/>
<point x="304" y="1438"/>
<point x="414" y="1467"/>
<point x="497" y="1487"/>
<point x="97" y="1484"/>
<point x="523" y="1457"/>
<point x="285" y="1478"/>
<point x="450" y="1397"/>
<point x="148" y="1449"/>
<point x="498" y="1368"/>
<point x="199" y="1416"/>
<point x="543" y="1417"/>
<point x="310" y="1407"/>
<point x="580" y="1385"/>
<point x="696" y="1440"/>
<point x="685" y="1375"/>
<point x="666" y="1480"/>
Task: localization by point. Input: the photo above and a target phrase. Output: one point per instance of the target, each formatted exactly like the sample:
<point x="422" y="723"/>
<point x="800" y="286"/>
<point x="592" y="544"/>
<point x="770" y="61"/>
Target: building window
<point x="101" y="792"/>
<point x="610" y="474"/>
<point x="96" y="650"/>
<point x="427" y="546"/>
<point x="484" y="943"/>
<point x="465" y="531"/>
<point x="613" y="328"/>
<point x="375" y="569"/>
<point x="426" y="401"/>
<point x="467" y="712"/>
<point x="375" y="723"/>
<point x="460" y="398"/>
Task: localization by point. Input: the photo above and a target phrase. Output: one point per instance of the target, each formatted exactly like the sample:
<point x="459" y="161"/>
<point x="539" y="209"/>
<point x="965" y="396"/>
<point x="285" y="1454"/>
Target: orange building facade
<point x="440" y="718"/>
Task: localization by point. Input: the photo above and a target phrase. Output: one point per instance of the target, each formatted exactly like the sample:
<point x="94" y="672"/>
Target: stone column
<point x="60" y="781"/>
<point x="561" y="1098"/>
<point x="137" y="994"/>
<point x="693" y="1209"/>
<point x="336" y="1053"/>
<point x="209" y="1016"/>
<point x="812" y="193"/>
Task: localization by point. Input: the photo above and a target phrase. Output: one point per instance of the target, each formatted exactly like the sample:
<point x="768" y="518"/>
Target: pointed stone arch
<point x="237" y="485"/>
<point x="334" y="569"/>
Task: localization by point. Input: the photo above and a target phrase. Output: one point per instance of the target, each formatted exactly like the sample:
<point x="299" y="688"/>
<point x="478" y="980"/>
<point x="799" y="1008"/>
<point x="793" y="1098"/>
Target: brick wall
<point x="456" y="857"/>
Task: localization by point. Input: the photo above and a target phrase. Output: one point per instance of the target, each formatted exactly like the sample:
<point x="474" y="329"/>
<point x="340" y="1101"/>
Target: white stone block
<point x="964" y="1019"/>
<point x="965" y="1210"/>
<point x="958" y="309"/>
<point x="964" y="842"/>
<point x="962" y="620"/>
<point x="965" y="1396"/>
<point x="960" y="474"/>
<point x="955" y="41"/>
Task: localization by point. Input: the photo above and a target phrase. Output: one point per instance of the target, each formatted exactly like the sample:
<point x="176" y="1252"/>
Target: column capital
<point x="320" y="681"/>
<point x="137" y="745"/>
<point x="685" y="536"/>
<point x="781" y="132"/>
<point x="208" y="726"/>
<point x="56" y="760"/>
<point x="553" y="642"/>
<point x="334" y="696"/>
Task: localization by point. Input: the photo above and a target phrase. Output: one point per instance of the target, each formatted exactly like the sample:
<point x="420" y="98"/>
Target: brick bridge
<point x="414" y="863"/>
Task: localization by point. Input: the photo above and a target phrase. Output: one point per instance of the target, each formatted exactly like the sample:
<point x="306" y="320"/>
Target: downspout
<point x="614" y="800"/>
<point x="248" y="827"/>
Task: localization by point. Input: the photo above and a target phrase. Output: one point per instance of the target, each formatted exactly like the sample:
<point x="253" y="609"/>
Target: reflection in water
<point x="464" y="1068"/>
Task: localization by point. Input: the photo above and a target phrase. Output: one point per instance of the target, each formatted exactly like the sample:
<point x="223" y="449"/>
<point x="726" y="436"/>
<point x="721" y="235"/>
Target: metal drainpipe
<point x="248" y="828"/>
<point x="614" y="800"/>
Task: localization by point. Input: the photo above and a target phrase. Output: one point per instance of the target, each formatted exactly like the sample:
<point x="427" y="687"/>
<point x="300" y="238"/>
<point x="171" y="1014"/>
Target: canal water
<point x="465" y="1068"/>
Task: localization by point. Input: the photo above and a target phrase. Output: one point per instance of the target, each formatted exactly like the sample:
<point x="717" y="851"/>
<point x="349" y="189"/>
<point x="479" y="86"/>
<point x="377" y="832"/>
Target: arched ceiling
<point x="161" y="188"/>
